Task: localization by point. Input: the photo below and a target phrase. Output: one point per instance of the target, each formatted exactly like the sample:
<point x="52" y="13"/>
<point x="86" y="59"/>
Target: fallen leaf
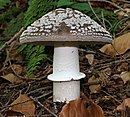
<point x="17" y="68"/>
<point x="122" y="13"/>
<point x="77" y="108"/>
<point x="94" y="84"/>
<point x="90" y="58"/>
<point x="94" y="110"/>
<point x="13" y="52"/>
<point x="24" y="105"/>
<point x="121" y="45"/>
<point x="123" y="66"/>
<point x="12" y="78"/>
<point x="122" y="106"/>
<point x="10" y="113"/>
<point x="125" y="76"/>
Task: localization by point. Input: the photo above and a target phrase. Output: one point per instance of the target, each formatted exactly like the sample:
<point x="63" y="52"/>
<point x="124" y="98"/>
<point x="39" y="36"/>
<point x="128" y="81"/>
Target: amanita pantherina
<point x="65" y="29"/>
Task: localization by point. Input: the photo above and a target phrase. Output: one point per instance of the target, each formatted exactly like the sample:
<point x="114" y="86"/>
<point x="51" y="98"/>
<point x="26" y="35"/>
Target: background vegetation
<point x="16" y="14"/>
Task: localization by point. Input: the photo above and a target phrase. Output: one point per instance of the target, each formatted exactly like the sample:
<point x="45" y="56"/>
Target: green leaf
<point x="1" y="43"/>
<point x="38" y="8"/>
<point x="34" y="55"/>
<point x="62" y="3"/>
<point x="9" y="15"/>
<point x="14" y="25"/>
<point x="3" y="3"/>
<point x="81" y="6"/>
<point x="22" y="47"/>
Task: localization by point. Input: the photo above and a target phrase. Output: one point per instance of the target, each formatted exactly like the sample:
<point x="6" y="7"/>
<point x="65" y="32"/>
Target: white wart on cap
<point x="65" y="25"/>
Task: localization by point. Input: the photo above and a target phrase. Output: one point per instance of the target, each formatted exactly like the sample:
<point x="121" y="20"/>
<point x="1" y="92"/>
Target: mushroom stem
<point x="66" y="90"/>
<point x="66" y="75"/>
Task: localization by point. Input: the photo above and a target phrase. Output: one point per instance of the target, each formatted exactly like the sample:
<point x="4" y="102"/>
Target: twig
<point x="14" y="70"/>
<point x="35" y="100"/>
<point x="106" y="1"/>
<point x="103" y="66"/>
<point x="111" y="96"/>
<point x="103" y="20"/>
<point x="116" y="6"/>
<point x="44" y="95"/>
<point x="1" y="115"/>
<point x="12" y="39"/>
<point x="95" y="82"/>
<point x="94" y="12"/>
<point x="86" y="51"/>
<point x="120" y="54"/>
<point x="7" y="106"/>
<point x="125" y="1"/>
<point x="39" y="89"/>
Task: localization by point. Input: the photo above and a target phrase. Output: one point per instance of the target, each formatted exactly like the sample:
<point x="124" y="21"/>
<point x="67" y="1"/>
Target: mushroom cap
<point x="65" y="25"/>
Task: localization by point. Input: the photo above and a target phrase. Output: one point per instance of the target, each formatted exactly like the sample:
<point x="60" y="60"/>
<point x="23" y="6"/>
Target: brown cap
<point x="65" y="25"/>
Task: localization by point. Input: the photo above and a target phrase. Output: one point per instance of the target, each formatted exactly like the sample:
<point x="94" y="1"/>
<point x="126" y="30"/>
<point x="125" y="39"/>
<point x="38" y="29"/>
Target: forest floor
<point x="104" y="86"/>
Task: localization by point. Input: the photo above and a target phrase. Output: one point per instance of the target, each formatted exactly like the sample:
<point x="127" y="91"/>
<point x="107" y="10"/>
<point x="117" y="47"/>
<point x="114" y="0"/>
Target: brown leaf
<point x="94" y="110"/>
<point x="94" y="84"/>
<point x="125" y="76"/>
<point x="77" y="108"/>
<point x="122" y="13"/>
<point x="90" y="58"/>
<point x="10" y="113"/>
<point x="24" y="105"/>
<point x="121" y="44"/>
<point x="17" y="68"/>
<point x="12" y="78"/>
<point x="17" y="4"/>
<point x="13" y="52"/>
<point x="123" y="105"/>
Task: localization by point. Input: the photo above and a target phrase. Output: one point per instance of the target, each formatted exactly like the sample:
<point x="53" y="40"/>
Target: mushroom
<point x="65" y="29"/>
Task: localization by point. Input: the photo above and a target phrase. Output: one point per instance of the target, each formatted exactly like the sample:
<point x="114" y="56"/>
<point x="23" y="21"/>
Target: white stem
<point x="66" y="91"/>
<point x="66" y="68"/>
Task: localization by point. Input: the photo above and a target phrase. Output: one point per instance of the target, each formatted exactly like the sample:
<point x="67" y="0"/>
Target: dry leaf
<point x="12" y="78"/>
<point x="77" y="108"/>
<point x="121" y="13"/>
<point x="10" y="113"/>
<point x="90" y="58"/>
<point x="125" y="76"/>
<point x="17" y="68"/>
<point x="13" y="52"/>
<point x="123" y="105"/>
<point x="94" y="84"/>
<point x="123" y="66"/>
<point x="94" y="110"/>
<point x="24" y="105"/>
<point x="121" y="44"/>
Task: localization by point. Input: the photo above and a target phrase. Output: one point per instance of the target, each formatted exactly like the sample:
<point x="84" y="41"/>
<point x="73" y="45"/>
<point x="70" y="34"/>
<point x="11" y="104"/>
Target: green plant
<point x="34" y="55"/>
<point x="38" y="8"/>
<point x="14" y="25"/>
<point x="1" y="43"/>
<point x="84" y="7"/>
<point x="9" y="15"/>
<point x="109" y="17"/>
<point x="4" y="3"/>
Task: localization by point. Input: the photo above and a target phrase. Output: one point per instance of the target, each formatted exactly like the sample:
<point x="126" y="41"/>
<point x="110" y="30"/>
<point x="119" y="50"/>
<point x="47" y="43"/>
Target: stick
<point x="12" y="39"/>
<point x="35" y="100"/>
<point x="106" y="1"/>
